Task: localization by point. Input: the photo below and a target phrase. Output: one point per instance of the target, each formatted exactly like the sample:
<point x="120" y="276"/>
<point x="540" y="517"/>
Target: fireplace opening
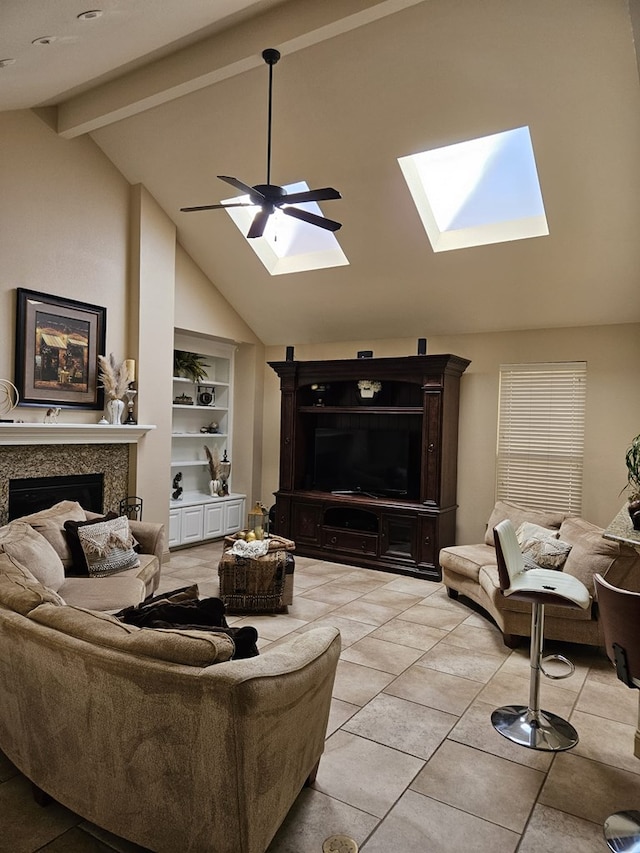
<point x="32" y="494"/>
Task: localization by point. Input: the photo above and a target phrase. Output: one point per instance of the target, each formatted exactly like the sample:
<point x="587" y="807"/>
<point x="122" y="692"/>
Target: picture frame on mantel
<point x="58" y="341"/>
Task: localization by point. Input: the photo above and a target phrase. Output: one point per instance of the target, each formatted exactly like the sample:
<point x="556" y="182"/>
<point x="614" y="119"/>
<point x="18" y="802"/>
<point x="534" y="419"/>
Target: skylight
<point x="289" y="245"/>
<point x="477" y="192"/>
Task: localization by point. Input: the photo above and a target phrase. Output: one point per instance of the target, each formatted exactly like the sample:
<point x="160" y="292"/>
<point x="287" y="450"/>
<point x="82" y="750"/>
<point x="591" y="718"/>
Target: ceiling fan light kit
<point x="271" y="197"/>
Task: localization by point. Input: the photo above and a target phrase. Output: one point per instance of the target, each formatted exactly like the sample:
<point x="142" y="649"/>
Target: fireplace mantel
<point x="38" y="434"/>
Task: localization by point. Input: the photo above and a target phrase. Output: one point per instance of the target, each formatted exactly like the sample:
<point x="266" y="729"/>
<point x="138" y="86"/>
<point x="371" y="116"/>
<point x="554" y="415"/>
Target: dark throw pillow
<point x="80" y="567"/>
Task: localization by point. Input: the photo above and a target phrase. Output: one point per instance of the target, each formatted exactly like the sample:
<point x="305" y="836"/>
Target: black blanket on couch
<point x="182" y="608"/>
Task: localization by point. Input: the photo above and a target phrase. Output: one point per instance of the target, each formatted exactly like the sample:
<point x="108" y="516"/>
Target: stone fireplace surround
<point x="57" y="450"/>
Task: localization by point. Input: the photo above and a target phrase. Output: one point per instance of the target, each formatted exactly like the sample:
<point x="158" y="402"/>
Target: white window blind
<point x="541" y="434"/>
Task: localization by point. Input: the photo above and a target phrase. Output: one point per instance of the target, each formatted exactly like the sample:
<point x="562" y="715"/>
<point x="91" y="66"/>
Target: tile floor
<point x="412" y="763"/>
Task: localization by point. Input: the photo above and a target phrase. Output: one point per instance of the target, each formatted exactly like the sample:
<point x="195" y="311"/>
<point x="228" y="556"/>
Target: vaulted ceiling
<point x="175" y="93"/>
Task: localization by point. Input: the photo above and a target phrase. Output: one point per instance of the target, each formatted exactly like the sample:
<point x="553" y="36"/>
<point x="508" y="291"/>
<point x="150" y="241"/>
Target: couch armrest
<point x="151" y="536"/>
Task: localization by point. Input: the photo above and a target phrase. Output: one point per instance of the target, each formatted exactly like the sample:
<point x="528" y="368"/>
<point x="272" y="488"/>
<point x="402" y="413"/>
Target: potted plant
<point x="632" y="460"/>
<point x="190" y="365"/>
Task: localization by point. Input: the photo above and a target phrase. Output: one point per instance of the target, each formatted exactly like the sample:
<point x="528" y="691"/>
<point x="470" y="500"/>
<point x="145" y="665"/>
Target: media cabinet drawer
<point x="350" y="540"/>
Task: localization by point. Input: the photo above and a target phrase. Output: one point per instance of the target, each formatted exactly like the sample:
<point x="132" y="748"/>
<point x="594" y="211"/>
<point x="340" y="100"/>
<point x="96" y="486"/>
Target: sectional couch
<point x="156" y="735"/>
<point x="471" y="571"/>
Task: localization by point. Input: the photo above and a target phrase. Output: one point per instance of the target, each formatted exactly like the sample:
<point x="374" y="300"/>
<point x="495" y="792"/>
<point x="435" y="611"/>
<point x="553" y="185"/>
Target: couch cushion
<point x="467" y="560"/>
<point x="519" y="514"/>
<point x="32" y="550"/>
<point x="111" y="593"/>
<point x="188" y="647"/>
<point x="50" y="523"/>
<point x="490" y="584"/>
<point x="19" y="589"/>
<point x="590" y="552"/>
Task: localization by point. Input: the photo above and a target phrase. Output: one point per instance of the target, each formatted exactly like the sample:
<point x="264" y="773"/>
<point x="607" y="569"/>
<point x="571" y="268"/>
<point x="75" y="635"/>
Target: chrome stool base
<point x="622" y="832"/>
<point x="542" y="730"/>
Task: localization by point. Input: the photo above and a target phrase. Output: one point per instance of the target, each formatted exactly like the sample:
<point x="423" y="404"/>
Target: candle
<point x="130" y="367"/>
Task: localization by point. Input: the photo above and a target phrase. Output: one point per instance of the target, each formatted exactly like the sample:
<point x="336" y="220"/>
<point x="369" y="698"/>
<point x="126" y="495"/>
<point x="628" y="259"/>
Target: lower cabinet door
<point x="234" y="516"/>
<point x="213" y="521"/>
<point x="192" y="524"/>
<point x="175" y="526"/>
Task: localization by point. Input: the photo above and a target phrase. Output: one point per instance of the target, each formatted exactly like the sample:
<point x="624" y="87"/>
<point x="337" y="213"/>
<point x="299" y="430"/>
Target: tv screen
<point x="379" y="462"/>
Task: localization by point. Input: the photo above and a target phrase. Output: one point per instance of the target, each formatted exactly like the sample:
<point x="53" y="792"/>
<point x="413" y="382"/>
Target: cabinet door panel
<point x="306" y="522"/>
<point x="431" y="449"/>
<point x="234" y="516"/>
<point x="398" y="536"/>
<point x="191" y="524"/>
<point x="213" y="521"/>
<point x="175" y="526"/>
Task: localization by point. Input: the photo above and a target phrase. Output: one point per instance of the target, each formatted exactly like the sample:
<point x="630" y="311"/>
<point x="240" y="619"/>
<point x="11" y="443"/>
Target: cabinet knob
<point x="333" y="540"/>
<point x="431" y="447"/>
<point x="427" y="540"/>
<point x="287" y="440"/>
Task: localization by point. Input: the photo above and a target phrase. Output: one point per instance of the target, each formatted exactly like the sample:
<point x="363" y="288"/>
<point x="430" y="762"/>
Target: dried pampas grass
<point x="115" y="378"/>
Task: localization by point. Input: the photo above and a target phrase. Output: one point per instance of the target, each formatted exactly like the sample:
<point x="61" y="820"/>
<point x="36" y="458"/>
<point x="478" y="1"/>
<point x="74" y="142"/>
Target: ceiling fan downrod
<point x="270" y="56"/>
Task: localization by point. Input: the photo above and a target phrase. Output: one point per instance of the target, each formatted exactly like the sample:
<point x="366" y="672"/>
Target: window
<point x="540" y="451"/>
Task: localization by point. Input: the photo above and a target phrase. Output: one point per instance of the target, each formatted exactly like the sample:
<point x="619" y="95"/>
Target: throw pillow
<point x="518" y="514"/>
<point x="108" y="546"/>
<point x="50" y="523"/>
<point x="21" y="542"/>
<point x="79" y="565"/>
<point x="542" y="545"/>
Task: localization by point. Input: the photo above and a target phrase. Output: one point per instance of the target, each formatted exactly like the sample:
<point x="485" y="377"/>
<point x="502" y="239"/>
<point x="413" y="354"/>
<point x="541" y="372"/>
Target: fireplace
<point x="31" y="494"/>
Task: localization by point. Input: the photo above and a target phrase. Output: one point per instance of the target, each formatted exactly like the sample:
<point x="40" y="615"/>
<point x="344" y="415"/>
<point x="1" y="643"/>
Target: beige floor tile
<point x="331" y="593"/>
<point x="409" y="634"/>
<point x="518" y="664"/>
<point x="439" y="598"/>
<point x="399" y="601"/>
<point x="609" y="701"/>
<point x="360" y="582"/>
<point x="308" y="609"/>
<point x="271" y="627"/>
<point x="438" y="690"/>
<point x="364" y="774"/>
<point x="605" y="740"/>
<point x="475" y="729"/>
<point x="380" y="654"/>
<point x="484" y="785"/>
<point x="411" y="586"/>
<point x="418" y="824"/>
<point x="313" y="818"/>
<point x="350" y="631"/>
<point x="506" y="689"/>
<point x="402" y="725"/>
<point x="436" y="617"/>
<point x="193" y="574"/>
<point x="589" y="789"/>
<point x="183" y="561"/>
<point x="553" y="831"/>
<point x="358" y="684"/>
<point x="456" y="661"/>
<point x="303" y="581"/>
<point x="339" y="714"/>
<point x="26" y="826"/>
<point x="480" y="639"/>
<point x="370" y="614"/>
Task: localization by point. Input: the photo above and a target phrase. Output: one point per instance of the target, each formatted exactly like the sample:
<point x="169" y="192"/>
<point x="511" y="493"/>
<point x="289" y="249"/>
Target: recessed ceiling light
<point x="5" y="62"/>
<point x="44" y="40"/>
<point x="90" y="15"/>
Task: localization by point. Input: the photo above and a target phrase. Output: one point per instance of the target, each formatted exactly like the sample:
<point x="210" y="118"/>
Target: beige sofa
<point x="45" y="551"/>
<point x="158" y="735"/>
<point x="471" y="571"/>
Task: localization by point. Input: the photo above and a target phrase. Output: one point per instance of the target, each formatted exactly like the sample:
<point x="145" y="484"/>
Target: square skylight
<point x="481" y="191"/>
<point x="288" y="244"/>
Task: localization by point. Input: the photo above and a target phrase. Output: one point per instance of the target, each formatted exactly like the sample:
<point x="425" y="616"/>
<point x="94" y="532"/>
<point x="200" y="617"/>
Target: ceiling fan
<point x="270" y="197"/>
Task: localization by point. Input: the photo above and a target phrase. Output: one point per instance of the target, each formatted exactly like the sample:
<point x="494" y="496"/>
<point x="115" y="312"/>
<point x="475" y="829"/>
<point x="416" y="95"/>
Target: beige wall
<point x="612" y="354"/>
<point x="63" y="230"/>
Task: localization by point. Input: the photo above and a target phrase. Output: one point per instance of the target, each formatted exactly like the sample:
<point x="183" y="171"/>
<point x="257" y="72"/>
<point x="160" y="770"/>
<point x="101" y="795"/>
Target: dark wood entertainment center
<point x="397" y="530"/>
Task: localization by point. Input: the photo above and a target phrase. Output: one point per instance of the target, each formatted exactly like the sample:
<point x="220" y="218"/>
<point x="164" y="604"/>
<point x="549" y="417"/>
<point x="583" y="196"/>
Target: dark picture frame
<point x="58" y="341"/>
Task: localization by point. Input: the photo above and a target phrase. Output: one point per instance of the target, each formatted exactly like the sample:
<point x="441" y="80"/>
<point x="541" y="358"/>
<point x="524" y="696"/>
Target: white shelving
<point x="197" y="516"/>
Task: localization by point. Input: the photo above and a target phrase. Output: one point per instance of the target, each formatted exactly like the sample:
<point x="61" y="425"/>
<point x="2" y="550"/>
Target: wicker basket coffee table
<point x="258" y="584"/>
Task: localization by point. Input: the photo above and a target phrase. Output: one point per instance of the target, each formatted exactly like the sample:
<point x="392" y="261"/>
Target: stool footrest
<point x="622" y="832"/>
<point x="571" y="668"/>
<point x="542" y="730"/>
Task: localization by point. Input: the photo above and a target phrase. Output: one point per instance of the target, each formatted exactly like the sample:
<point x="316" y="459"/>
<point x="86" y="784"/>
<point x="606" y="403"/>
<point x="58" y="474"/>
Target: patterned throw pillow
<point x="542" y="546"/>
<point x="108" y="546"/>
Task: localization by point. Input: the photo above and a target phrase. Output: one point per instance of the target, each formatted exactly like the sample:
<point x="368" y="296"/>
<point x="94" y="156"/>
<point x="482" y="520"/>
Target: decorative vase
<point x="214" y="488"/>
<point x="115" y="408"/>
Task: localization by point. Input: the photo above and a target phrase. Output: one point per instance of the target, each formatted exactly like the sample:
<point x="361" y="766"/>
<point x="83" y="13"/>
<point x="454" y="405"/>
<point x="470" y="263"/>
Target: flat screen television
<point x="377" y="462"/>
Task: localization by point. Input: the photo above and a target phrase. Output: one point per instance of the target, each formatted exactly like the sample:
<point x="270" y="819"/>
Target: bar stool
<point x="528" y="725"/>
<point x="620" y="617"/>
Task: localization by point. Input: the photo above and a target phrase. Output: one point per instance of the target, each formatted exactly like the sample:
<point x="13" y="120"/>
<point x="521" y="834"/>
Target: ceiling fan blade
<point x="312" y="218"/>
<point x="259" y="224"/>
<point x="324" y="194"/>
<point x="244" y="188"/>
<point x="216" y="206"/>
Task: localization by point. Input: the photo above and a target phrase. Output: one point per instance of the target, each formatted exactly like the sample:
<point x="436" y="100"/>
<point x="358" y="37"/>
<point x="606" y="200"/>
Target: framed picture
<point x="57" y="346"/>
